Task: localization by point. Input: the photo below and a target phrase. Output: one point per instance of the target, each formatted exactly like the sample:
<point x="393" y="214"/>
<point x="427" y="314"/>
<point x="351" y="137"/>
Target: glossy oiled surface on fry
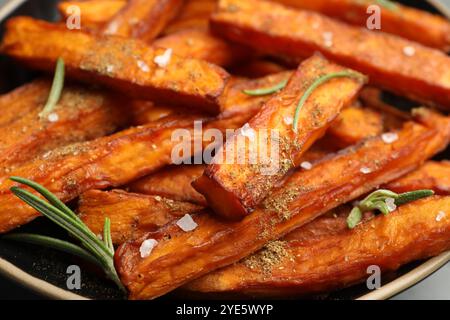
<point x="173" y="182"/>
<point x="432" y="175"/>
<point x="23" y="100"/>
<point x="193" y="14"/>
<point x="94" y="13"/>
<point x="306" y="195"/>
<point x="143" y="19"/>
<point x="423" y="75"/>
<point x="199" y="43"/>
<point x="354" y="124"/>
<point x="126" y="65"/>
<point x="412" y="232"/>
<point x="131" y="214"/>
<point x="105" y="162"/>
<point x="234" y="189"/>
<point x="82" y="114"/>
<point x="410" y="23"/>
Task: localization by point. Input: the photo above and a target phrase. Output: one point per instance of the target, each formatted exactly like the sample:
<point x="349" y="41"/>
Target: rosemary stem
<point x="267" y="91"/>
<point x="318" y="82"/>
<point x="56" y="89"/>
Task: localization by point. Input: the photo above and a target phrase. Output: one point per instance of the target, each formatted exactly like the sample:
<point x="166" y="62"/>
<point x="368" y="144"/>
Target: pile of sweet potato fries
<point x="140" y="70"/>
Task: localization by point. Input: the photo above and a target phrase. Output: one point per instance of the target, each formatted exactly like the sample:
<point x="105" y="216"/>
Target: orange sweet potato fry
<point x="410" y="23"/>
<point x="81" y="114"/>
<point x="257" y="68"/>
<point x="236" y="105"/>
<point x="131" y="214"/>
<point x="126" y="65"/>
<point x="200" y="44"/>
<point x="338" y="260"/>
<point x="143" y="19"/>
<point x="372" y="97"/>
<point x="181" y="257"/>
<point x="94" y="13"/>
<point x="402" y="66"/>
<point x="173" y="183"/>
<point x="21" y="101"/>
<point x="355" y="124"/>
<point x="144" y="111"/>
<point x="98" y="164"/>
<point x="193" y="14"/>
<point x="432" y="175"/>
<point x="234" y="188"/>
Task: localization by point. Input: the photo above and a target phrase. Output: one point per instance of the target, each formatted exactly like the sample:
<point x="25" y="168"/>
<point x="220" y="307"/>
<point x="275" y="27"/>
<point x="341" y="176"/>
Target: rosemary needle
<point x="387" y="4"/>
<point x="95" y="250"/>
<point x="54" y="244"/>
<point x="377" y="201"/>
<point x="318" y="82"/>
<point x="267" y="91"/>
<point x="56" y="89"/>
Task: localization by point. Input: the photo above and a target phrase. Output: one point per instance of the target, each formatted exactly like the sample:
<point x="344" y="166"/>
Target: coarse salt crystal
<point x="389" y="137"/>
<point x="187" y="223"/>
<point x="248" y="132"/>
<point x="109" y="68"/>
<point x="163" y="60"/>
<point x="147" y="247"/>
<point x="53" y="117"/>
<point x="365" y="170"/>
<point x="112" y="28"/>
<point x="441" y="215"/>
<point x="328" y="38"/>
<point x="409" y="51"/>
<point x="306" y="165"/>
<point x="390" y="202"/>
<point x="143" y="66"/>
<point x="158" y="198"/>
<point x="288" y="120"/>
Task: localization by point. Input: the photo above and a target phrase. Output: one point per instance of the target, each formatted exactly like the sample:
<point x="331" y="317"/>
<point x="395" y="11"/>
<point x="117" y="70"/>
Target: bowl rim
<point x="411" y="278"/>
<point x="387" y="291"/>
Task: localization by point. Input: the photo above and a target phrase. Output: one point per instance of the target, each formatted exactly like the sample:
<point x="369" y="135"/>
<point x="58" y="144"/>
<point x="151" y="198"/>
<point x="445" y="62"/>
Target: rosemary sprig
<point x="56" y="89"/>
<point x="378" y="200"/>
<point x="387" y="4"/>
<point x="318" y="82"/>
<point x="267" y="91"/>
<point x="95" y="250"/>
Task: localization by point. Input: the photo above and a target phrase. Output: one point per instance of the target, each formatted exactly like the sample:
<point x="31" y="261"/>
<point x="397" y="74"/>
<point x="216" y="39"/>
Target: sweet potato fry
<point x="355" y="124"/>
<point x="21" y="101"/>
<point x="432" y="175"/>
<point x="193" y="14"/>
<point x="131" y="214"/>
<point x="257" y="68"/>
<point x="410" y="23"/>
<point x="236" y="105"/>
<point x="81" y="114"/>
<point x="395" y="64"/>
<point x="415" y="231"/>
<point x="234" y="188"/>
<point x="201" y="44"/>
<point x="94" y="13"/>
<point x="98" y="164"/>
<point x="124" y="64"/>
<point x="143" y="112"/>
<point x="173" y="183"/>
<point x="143" y="19"/>
<point x="181" y="257"/>
<point x="372" y="97"/>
